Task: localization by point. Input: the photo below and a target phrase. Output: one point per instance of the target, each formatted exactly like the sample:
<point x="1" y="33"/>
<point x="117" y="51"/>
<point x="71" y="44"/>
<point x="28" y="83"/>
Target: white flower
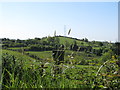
<point x="71" y="57"/>
<point x="41" y="86"/>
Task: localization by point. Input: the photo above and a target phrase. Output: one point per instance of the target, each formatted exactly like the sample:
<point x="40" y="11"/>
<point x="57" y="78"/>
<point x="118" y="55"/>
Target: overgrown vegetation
<point x="87" y="64"/>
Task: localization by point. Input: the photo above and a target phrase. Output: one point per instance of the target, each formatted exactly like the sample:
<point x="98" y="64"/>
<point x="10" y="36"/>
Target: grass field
<point x="42" y="54"/>
<point x="71" y="41"/>
<point x="17" y="54"/>
<point x="79" y="69"/>
<point x="71" y="73"/>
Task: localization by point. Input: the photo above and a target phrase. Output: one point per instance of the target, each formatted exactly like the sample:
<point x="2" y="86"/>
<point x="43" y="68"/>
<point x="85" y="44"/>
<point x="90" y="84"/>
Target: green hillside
<point x="60" y="62"/>
<point x="44" y="54"/>
<point x="70" y="40"/>
<point x="64" y="40"/>
<point x="26" y="60"/>
<point x="17" y="54"/>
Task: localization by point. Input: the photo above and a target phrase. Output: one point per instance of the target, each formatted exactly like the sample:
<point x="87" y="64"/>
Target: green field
<point x="43" y="54"/>
<point x="17" y="54"/>
<point x="36" y="68"/>
<point x="69" y="40"/>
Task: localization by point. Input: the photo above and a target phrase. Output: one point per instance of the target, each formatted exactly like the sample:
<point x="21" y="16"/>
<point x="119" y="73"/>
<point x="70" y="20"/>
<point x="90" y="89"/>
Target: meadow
<point x="31" y="67"/>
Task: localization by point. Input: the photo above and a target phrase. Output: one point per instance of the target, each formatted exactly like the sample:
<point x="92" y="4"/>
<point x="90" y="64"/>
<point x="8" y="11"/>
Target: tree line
<point x="53" y="43"/>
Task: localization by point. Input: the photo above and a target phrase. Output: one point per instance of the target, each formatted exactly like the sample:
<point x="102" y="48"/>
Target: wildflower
<point x="68" y="55"/>
<point x="113" y="57"/>
<point x="71" y="57"/>
<point x="41" y="86"/>
<point x="32" y="65"/>
<point x="72" y="67"/>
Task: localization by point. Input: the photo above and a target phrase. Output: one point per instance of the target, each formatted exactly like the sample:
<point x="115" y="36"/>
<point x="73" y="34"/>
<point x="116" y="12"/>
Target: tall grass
<point x="16" y="75"/>
<point x="22" y="71"/>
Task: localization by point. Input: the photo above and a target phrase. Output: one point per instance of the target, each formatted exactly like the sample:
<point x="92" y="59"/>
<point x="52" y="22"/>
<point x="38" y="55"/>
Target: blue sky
<point x="92" y="20"/>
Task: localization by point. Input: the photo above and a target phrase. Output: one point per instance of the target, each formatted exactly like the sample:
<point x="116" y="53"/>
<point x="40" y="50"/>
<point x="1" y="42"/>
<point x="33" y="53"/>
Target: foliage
<point x="91" y="65"/>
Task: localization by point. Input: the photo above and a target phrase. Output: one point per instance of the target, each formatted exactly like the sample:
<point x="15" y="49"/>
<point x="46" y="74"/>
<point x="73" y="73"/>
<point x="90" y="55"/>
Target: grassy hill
<point x="17" y="54"/>
<point x="69" y="40"/>
<point x="44" y="54"/>
<point x="35" y="68"/>
<point x="26" y="60"/>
